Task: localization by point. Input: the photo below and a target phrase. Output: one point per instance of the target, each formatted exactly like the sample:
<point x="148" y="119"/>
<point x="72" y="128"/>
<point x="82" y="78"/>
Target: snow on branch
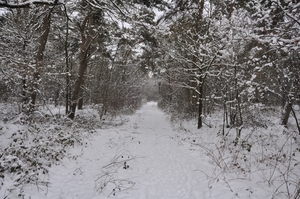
<point x="289" y="15"/>
<point x="27" y="4"/>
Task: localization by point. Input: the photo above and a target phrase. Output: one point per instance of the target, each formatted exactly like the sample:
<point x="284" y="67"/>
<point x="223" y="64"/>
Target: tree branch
<point x="27" y="4"/>
<point x="287" y="14"/>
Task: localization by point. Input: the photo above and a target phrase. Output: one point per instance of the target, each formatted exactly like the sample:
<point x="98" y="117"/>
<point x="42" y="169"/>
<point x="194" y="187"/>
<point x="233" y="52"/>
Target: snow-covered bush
<point x="260" y="116"/>
<point x="270" y="157"/>
<point x="89" y="119"/>
<point x="267" y="155"/>
<point x="32" y="151"/>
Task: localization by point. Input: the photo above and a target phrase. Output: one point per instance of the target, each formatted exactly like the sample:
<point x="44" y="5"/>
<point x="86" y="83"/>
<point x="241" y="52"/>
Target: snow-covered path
<point x="164" y="168"/>
<point x="157" y="165"/>
<point x="147" y="158"/>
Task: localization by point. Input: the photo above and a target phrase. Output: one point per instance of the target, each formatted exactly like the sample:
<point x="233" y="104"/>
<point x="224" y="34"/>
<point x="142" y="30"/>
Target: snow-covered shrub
<point x="269" y="156"/>
<point x="33" y="150"/>
<point x="266" y="156"/>
<point x="260" y="116"/>
<point x="88" y="118"/>
<point x="278" y="159"/>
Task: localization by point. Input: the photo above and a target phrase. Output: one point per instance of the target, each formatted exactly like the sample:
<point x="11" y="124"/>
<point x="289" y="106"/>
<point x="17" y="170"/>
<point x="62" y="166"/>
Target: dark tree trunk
<point x="67" y="66"/>
<point x="80" y="102"/>
<point x="200" y="100"/>
<point x="67" y="93"/>
<point x="80" y="98"/>
<point x="87" y="36"/>
<point x="24" y="94"/>
<point x="286" y="113"/>
<point x="79" y="81"/>
<point x="200" y="111"/>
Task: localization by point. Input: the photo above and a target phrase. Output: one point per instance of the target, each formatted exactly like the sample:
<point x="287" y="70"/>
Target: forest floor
<point x="147" y="157"/>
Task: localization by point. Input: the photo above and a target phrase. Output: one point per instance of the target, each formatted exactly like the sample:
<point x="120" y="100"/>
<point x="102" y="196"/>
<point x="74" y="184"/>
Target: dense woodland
<point x="225" y="66"/>
<point x="201" y="56"/>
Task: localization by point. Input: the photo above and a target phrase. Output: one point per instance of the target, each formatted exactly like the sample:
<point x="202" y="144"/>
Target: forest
<point x="202" y="55"/>
<point x="234" y="61"/>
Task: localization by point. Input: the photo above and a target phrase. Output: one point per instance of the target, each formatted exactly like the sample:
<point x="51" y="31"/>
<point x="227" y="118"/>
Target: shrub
<point x="33" y="150"/>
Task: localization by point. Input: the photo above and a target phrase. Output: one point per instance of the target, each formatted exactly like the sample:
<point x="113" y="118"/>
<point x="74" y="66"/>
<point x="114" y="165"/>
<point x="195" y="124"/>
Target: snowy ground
<point x="147" y="158"/>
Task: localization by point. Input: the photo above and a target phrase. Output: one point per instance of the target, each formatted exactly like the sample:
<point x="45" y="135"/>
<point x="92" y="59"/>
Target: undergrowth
<point x="274" y="158"/>
<point x="267" y="154"/>
<point x="109" y="180"/>
<point x="32" y="150"/>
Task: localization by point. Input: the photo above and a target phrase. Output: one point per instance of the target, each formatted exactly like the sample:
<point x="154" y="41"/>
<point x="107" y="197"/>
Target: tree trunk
<point x="87" y="36"/>
<point x="286" y="113"/>
<point x="224" y="117"/>
<point x="200" y="111"/>
<point x="79" y="81"/>
<point x="42" y="40"/>
<point x="195" y="60"/>
<point x="80" y="101"/>
<point x="200" y="101"/>
<point x="80" y="98"/>
<point x="67" y="66"/>
<point x="24" y="94"/>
